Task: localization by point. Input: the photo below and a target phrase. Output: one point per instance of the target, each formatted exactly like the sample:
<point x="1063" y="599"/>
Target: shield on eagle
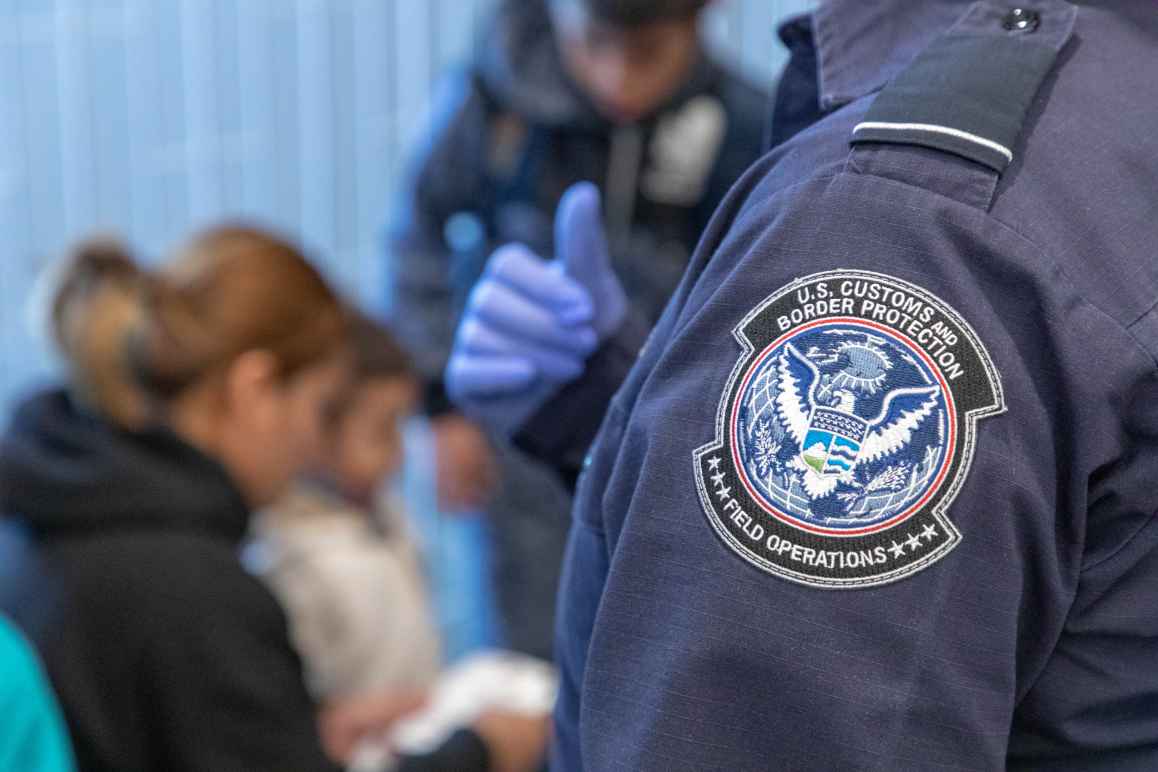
<point x="841" y="441"/>
<point x="832" y="442"/>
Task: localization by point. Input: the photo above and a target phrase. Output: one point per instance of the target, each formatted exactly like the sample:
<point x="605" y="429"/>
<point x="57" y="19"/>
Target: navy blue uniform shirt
<point x="879" y="492"/>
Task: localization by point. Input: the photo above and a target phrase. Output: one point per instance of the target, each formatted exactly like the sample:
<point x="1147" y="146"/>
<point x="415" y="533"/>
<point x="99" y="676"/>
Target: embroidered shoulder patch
<point x="846" y="430"/>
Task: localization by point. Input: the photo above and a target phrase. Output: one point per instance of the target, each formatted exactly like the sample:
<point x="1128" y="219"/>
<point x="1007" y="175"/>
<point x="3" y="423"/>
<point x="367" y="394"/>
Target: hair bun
<point x="92" y="264"/>
<point x="95" y="302"/>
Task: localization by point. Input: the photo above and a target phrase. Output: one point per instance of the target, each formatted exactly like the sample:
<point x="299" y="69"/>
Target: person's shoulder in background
<point x="747" y="111"/>
<point x="749" y="106"/>
<point x="33" y="736"/>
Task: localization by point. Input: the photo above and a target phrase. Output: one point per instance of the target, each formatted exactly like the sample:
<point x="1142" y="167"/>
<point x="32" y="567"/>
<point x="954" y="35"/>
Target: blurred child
<point x="340" y="556"/>
<point x="195" y="395"/>
<point x="619" y="92"/>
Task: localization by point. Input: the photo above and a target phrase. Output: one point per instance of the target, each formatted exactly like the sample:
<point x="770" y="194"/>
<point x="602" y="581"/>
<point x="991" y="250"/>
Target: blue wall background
<point x="152" y="117"/>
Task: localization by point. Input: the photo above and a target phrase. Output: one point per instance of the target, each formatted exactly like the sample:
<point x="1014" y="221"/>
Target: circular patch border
<point x="885" y="552"/>
<point x="793" y="520"/>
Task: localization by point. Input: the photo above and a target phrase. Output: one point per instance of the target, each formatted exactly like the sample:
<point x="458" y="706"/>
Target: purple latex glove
<point x="581" y="250"/>
<point x="529" y="325"/>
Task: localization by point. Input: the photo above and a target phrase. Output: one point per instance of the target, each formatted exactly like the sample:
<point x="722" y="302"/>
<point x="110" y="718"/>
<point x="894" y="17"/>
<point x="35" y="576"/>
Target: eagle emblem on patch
<point x="845" y="430"/>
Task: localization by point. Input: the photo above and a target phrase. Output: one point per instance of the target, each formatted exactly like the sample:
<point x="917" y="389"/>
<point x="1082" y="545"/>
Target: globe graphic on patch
<point x="842" y="428"/>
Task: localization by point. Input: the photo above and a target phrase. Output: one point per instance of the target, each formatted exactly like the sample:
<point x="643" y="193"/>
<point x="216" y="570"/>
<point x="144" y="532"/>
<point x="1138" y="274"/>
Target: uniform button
<point x="1021" y="20"/>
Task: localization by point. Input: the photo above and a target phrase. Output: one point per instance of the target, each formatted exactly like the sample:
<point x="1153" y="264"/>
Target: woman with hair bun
<point x="195" y="394"/>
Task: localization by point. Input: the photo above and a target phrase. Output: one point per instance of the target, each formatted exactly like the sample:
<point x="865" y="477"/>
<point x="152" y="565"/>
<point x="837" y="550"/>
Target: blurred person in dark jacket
<point x="619" y="92"/>
<point x="196" y="395"/>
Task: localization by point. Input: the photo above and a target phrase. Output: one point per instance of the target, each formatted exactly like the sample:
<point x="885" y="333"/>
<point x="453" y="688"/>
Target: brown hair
<point x="373" y="352"/>
<point x="135" y="339"/>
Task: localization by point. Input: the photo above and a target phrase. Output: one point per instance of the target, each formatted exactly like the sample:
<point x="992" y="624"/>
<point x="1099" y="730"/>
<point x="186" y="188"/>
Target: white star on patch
<point x="834" y="420"/>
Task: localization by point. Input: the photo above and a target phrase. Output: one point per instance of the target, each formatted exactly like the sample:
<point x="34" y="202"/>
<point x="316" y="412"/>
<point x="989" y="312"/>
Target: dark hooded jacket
<point x="118" y="558"/>
<point x="511" y="132"/>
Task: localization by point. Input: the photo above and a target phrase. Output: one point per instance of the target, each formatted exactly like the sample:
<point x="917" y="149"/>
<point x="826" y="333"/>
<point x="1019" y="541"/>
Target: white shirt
<point x="354" y="593"/>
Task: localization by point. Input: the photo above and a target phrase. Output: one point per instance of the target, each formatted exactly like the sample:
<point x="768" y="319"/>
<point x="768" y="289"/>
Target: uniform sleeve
<point x="586" y="561"/>
<point x="1092" y="706"/>
<point x="714" y="612"/>
<point x="561" y="431"/>
<point x="446" y="176"/>
<point x="584" y="570"/>
<point x="226" y="689"/>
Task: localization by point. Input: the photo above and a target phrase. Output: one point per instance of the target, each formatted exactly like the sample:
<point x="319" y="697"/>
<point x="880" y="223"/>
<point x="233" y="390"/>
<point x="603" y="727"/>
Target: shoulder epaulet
<point x="969" y="91"/>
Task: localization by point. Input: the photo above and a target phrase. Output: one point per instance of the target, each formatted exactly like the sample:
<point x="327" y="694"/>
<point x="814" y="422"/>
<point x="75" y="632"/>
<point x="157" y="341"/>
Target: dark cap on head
<point x="633" y="13"/>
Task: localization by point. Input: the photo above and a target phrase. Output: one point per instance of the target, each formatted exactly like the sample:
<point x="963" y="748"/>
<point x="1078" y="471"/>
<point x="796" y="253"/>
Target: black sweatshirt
<point x="118" y="558"/>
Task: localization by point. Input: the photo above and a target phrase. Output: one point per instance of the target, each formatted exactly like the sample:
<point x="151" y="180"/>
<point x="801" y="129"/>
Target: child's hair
<point x="374" y="352"/>
<point x="135" y="339"/>
<point x="633" y="13"/>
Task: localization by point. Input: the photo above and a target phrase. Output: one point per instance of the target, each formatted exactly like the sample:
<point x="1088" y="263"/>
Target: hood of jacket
<point x="65" y="469"/>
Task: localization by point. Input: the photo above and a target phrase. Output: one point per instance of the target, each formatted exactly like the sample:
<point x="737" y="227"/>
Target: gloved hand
<point x="530" y="325"/>
<point x="581" y="250"/>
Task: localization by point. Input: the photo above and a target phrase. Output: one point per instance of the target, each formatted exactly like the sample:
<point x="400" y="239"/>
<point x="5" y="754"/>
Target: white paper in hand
<point x="492" y="680"/>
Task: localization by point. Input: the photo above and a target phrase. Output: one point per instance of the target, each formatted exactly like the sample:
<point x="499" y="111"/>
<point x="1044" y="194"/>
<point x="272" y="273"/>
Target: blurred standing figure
<point x="618" y="92"/>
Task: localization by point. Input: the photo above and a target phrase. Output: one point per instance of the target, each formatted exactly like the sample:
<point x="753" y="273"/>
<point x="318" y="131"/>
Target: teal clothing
<point x="32" y="733"/>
